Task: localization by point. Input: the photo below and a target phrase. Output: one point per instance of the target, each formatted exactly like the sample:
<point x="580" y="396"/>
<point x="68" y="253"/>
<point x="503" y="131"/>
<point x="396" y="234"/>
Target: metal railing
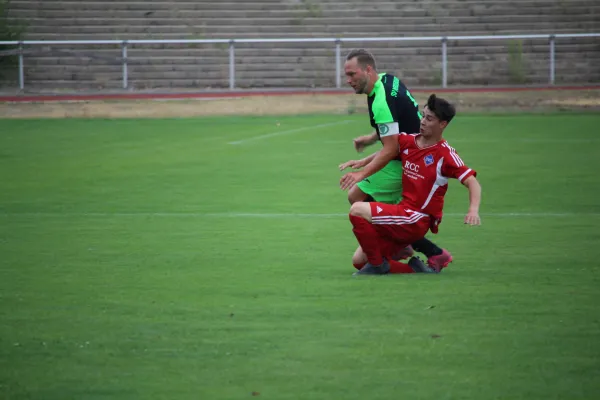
<point x="336" y="41"/>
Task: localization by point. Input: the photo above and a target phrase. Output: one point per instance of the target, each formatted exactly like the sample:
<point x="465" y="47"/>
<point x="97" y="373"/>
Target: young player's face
<point x="430" y="124"/>
<point x="356" y="77"/>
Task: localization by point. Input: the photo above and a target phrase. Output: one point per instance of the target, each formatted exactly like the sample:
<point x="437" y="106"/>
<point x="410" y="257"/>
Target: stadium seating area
<point x="302" y="65"/>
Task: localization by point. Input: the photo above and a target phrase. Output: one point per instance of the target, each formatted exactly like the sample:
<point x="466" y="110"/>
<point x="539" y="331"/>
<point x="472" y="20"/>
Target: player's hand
<point x="472" y="218"/>
<point x="361" y="142"/>
<point x="354" y="164"/>
<point x="350" y="179"/>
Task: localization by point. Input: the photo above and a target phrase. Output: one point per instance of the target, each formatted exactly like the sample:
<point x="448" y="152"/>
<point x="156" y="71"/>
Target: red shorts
<point x="398" y="226"/>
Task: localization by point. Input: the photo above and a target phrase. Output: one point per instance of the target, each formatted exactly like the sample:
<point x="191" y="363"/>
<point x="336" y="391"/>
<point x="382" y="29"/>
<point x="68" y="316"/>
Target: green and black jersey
<point x="392" y="108"/>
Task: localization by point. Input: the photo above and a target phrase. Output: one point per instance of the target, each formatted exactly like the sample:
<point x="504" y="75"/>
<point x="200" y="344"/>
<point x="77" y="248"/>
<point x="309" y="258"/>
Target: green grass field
<point x="153" y="259"/>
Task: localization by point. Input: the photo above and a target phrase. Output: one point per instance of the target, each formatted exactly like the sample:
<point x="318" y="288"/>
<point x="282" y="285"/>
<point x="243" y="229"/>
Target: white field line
<point x="268" y="215"/>
<point x="506" y="140"/>
<point x="289" y="131"/>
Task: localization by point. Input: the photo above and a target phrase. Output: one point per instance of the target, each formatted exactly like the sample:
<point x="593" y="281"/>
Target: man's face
<point x="356" y="77"/>
<point x="430" y="124"/>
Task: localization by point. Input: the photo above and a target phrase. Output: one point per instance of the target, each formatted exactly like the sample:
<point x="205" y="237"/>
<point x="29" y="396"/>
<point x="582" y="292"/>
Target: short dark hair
<point x="363" y="57"/>
<point x="441" y="108"/>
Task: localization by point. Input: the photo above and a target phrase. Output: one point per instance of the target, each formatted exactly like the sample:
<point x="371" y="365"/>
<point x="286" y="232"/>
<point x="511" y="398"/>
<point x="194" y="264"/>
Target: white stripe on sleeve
<point x="465" y="174"/>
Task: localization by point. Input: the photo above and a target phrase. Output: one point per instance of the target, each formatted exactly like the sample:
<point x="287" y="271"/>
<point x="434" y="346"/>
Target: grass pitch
<point x="154" y="259"/>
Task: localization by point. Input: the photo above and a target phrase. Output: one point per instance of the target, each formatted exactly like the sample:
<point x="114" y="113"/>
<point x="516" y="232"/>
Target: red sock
<point x="399" y="268"/>
<point x="359" y="266"/>
<point x="368" y="238"/>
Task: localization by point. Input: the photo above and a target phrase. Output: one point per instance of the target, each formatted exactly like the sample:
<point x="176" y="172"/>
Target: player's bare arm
<point x="389" y="151"/>
<point x="472" y="217"/>
<point x="356" y="164"/>
<point x="361" y="142"/>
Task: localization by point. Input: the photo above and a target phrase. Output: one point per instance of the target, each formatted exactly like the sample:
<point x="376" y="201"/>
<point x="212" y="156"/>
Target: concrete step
<point x="93" y="17"/>
<point x="456" y="76"/>
<point x="413" y="9"/>
<point x="243" y="19"/>
<point x="383" y="59"/>
<point x="61" y="85"/>
<point x="122" y="33"/>
<point x="212" y="13"/>
<point x="215" y="70"/>
<point x="50" y="11"/>
<point x="275" y="5"/>
<point x="145" y="5"/>
<point x="185" y="56"/>
<point x="257" y="83"/>
<point x="285" y="28"/>
<point x="317" y="66"/>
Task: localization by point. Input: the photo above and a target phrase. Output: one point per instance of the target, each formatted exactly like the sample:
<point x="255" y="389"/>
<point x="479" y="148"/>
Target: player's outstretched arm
<point x="382" y="157"/>
<point x="474" y="187"/>
<point x="364" y="141"/>
<point x="389" y="151"/>
<point x="356" y="164"/>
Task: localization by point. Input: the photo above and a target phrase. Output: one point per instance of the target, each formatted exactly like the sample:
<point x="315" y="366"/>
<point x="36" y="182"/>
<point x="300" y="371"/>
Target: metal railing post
<point x="21" y="67"/>
<point x="552" y="61"/>
<point x="444" y="62"/>
<point x="231" y="64"/>
<point x="338" y="63"/>
<point x="125" y="69"/>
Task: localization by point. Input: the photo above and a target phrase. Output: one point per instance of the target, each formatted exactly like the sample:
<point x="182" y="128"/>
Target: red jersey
<point x="426" y="172"/>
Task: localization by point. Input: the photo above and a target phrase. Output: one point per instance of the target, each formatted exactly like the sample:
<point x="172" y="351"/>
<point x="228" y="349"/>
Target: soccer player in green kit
<point x="392" y="110"/>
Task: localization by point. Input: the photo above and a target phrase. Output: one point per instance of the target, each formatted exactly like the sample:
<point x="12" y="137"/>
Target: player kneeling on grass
<point x="428" y="162"/>
<point x="392" y="109"/>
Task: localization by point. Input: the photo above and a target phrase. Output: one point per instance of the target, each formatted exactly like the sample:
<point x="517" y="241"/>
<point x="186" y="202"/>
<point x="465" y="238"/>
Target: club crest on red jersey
<point x="428" y="159"/>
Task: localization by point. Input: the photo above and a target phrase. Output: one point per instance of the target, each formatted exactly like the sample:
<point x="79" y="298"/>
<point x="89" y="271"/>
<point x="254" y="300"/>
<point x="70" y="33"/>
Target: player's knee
<point x="355" y="209"/>
<point x="359" y="259"/>
<point x="356" y="195"/>
<point x="361" y="209"/>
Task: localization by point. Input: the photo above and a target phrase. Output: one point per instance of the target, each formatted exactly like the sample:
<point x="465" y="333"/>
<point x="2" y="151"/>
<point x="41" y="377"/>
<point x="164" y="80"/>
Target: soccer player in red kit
<point x="428" y="162"/>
